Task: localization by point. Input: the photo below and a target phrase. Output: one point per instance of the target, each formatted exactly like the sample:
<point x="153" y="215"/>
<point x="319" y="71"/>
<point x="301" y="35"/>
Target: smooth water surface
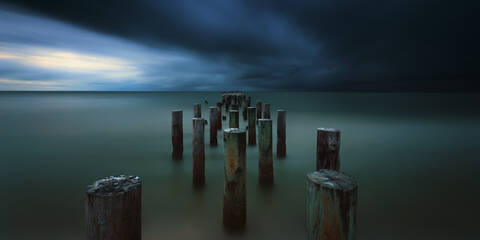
<point x="415" y="157"/>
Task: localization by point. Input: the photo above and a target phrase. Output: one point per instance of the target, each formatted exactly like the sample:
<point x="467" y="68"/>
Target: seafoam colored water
<point x="416" y="157"/>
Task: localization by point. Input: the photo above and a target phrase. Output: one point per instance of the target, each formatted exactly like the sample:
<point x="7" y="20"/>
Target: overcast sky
<point x="239" y="45"/>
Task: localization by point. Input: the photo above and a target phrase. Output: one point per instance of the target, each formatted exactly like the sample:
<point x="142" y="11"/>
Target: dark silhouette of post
<point x="219" y="116"/>
<point x="252" y="119"/>
<point x="265" y="154"/>
<point x="198" y="152"/>
<point x="197" y="110"/>
<point x="331" y="205"/>
<point x="213" y="126"/>
<point x="233" y="119"/>
<point x="266" y="111"/>
<point x="328" y="148"/>
<point x="113" y="209"/>
<point x="177" y="134"/>
<point x="281" y="133"/>
<point x="259" y="110"/>
<point x="234" y="194"/>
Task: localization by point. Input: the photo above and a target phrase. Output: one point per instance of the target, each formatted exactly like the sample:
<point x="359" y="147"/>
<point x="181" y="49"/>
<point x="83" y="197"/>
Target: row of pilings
<point x="113" y="204"/>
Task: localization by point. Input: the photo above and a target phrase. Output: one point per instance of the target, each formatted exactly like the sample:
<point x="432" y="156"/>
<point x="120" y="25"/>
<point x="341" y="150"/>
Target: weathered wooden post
<point x="249" y="101"/>
<point x="281" y="133"/>
<point x="266" y="111"/>
<point x="252" y="119"/>
<point x="233" y="119"/>
<point x="213" y="126"/>
<point x="113" y="209"/>
<point x="177" y="134"/>
<point x="259" y="110"/>
<point x="328" y="148"/>
<point x="219" y="116"/>
<point x="331" y="205"/>
<point x="198" y="152"/>
<point x="244" y="113"/>
<point x="265" y="155"/>
<point x="197" y="110"/>
<point x="234" y="194"/>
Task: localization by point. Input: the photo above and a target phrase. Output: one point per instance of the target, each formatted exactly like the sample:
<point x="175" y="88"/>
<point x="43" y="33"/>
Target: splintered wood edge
<point x="114" y="185"/>
<point x="332" y="179"/>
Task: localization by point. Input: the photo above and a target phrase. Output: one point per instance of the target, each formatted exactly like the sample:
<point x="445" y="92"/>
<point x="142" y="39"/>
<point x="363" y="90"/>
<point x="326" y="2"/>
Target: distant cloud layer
<point x="250" y="45"/>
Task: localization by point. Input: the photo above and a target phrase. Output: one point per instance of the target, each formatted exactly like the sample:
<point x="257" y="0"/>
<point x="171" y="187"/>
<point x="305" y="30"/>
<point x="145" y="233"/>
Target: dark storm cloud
<point x="311" y="44"/>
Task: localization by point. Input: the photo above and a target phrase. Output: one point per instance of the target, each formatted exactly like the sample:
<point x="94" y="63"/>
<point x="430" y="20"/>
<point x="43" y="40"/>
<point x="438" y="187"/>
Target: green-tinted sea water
<point x="416" y="157"/>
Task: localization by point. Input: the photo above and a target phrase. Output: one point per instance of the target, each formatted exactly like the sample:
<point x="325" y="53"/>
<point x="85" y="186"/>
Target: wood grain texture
<point x="177" y="134"/>
<point x="234" y="195"/>
<point x="197" y="110"/>
<point x="113" y="209"/>
<point x="281" y="133"/>
<point x="213" y="126"/>
<point x="252" y="132"/>
<point x="265" y="152"/>
<point x="233" y="119"/>
<point x="331" y="206"/>
<point x="198" y="152"/>
<point x="328" y="148"/>
<point x="266" y="111"/>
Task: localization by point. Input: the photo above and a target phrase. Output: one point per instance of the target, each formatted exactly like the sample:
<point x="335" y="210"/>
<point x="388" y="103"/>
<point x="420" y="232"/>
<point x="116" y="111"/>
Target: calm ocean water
<point x="415" y="157"/>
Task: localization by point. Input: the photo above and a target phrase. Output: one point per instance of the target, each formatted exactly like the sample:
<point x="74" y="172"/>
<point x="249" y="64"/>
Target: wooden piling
<point x="233" y="119"/>
<point x="265" y="154"/>
<point x="244" y="113"/>
<point x="234" y="194"/>
<point x="213" y="126"/>
<point x="113" y="209"/>
<point x="198" y="152"/>
<point x="328" y="148"/>
<point x="197" y="110"/>
<point x="177" y="134"/>
<point x="266" y="111"/>
<point x="281" y="133"/>
<point x="331" y="205"/>
<point x="252" y="119"/>
<point x="259" y="110"/>
<point x="219" y="116"/>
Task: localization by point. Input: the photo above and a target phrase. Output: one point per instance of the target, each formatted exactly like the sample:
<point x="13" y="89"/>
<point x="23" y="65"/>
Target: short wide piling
<point x="113" y="209"/>
<point x="265" y="155"/>
<point x="213" y="126"/>
<point x="252" y="119"/>
<point x="198" y="152"/>
<point x="328" y="148"/>
<point x="234" y="194"/>
<point x="281" y="133"/>
<point x="233" y="119"/>
<point x="331" y="205"/>
<point x="177" y="134"/>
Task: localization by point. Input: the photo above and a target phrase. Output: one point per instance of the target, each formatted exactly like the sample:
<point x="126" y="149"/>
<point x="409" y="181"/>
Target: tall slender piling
<point x="113" y="209"/>
<point x="233" y="119"/>
<point x="234" y="194"/>
<point x="328" y="148"/>
<point x="197" y="110"/>
<point x="266" y="111"/>
<point x="265" y="154"/>
<point x="213" y="126"/>
<point x="198" y="152"/>
<point x="177" y="134"/>
<point x="219" y="116"/>
<point x="252" y="119"/>
<point x="281" y="133"/>
<point x="331" y="205"/>
<point x="259" y="110"/>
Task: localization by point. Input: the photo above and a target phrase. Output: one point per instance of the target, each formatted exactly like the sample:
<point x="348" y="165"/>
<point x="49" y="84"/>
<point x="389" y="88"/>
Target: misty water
<point x="415" y="157"/>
